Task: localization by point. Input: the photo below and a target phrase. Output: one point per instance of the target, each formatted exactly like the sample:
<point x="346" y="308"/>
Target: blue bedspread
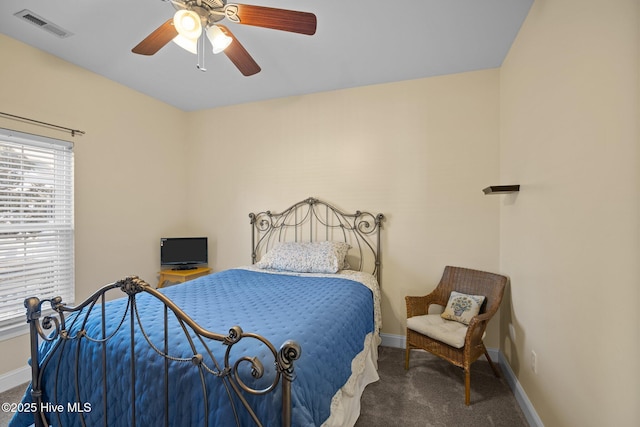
<point x="328" y="317"/>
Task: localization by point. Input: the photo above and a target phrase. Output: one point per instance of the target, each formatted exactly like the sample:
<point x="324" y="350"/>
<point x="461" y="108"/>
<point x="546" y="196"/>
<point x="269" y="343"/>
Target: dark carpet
<point x="431" y="393"/>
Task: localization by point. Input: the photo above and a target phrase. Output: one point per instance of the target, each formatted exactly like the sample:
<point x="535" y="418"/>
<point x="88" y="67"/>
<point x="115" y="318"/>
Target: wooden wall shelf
<point x="501" y="189"/>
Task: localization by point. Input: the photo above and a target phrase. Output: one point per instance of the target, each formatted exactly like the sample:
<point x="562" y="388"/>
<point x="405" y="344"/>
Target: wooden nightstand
<point x="181" y="276"/>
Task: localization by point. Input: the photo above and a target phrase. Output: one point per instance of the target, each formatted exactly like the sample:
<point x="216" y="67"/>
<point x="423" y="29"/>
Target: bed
<point x="289" y="340"/>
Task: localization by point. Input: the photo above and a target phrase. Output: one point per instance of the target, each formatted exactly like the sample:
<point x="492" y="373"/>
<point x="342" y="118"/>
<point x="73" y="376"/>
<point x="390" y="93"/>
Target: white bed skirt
<point x="345" y="405"/>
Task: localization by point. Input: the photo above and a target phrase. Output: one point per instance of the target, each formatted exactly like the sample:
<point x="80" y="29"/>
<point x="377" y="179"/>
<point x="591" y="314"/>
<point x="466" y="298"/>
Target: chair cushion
<point x="434" y="326"/>
<point x="462" y="307"/>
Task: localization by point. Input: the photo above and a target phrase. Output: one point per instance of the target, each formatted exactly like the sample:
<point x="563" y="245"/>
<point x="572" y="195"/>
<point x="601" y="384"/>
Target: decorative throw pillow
<point x="306" y="257"/>
<point x="462" y="307"/>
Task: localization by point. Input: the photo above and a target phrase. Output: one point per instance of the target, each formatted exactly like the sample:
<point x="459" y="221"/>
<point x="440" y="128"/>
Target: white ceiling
<point x="357" y="43"/>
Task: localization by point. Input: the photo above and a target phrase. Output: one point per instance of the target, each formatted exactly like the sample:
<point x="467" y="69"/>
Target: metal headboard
<point x="314" y="220"/>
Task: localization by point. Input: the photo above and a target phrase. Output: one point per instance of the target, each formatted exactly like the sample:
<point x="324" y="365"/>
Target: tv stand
<point x="184" y="267"/>
<point x="174" y="276"/>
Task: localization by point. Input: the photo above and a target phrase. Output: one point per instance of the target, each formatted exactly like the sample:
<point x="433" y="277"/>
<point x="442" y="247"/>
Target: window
<point x="36" y="224"/>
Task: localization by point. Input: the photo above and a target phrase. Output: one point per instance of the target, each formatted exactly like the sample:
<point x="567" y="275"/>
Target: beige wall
<point x="418" y="151"/>
<point x="129" y="167"/>
<point x="570" y="240"/>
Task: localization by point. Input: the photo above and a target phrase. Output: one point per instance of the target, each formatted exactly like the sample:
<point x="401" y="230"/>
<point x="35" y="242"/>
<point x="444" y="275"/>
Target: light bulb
<point x="190" y="45"/>
<point x="187" y="23"/>
<point x="219" y="40"/>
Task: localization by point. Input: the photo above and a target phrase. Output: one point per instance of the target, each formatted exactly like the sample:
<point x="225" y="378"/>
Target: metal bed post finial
<point x="289" y="351"/>
<point x="379" y="219"/>
<point x="34" y="311"/>
<point x="252" y="221"/>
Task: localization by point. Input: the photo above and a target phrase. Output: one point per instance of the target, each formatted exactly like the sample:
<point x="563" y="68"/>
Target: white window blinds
<point x="36" y="223"/>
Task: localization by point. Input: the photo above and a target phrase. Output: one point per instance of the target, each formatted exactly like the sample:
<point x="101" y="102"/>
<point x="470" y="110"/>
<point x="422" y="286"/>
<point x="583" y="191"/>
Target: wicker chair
<point x="463" y="280"/>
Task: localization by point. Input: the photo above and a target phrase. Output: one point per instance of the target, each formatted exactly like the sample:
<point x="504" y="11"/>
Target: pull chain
<point x="201" y="47"/>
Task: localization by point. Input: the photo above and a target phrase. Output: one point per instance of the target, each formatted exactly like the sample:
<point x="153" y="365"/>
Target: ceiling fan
<point x="196" y="18"/>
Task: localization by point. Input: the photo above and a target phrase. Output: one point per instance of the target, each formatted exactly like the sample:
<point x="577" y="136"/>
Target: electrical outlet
<point x="534" y="362"/>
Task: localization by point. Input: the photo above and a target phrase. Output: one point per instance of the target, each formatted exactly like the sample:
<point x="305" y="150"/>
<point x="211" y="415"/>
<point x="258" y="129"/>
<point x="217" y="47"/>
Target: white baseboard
<point x="14" y="378"/>
<point x="399" y="341"/>
<point x="395" y="341"/>
<point x="521" y="397"/>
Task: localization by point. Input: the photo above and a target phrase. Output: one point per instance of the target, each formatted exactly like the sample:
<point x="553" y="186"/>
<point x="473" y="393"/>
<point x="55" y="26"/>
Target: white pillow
<point x="462" y="307"/>
<point x="306" y="257"/>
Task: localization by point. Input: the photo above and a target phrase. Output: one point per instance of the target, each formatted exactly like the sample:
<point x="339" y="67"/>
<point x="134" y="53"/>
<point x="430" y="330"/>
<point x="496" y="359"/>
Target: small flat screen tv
<point x="183" y="253"/>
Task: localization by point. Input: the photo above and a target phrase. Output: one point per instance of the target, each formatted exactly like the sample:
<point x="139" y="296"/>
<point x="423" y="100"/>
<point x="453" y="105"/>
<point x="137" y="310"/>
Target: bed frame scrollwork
<point x="55" y="328"/>
<point x="313" y="220"/>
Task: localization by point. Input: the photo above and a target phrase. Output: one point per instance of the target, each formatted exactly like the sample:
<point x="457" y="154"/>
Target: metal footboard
<point x="67" y="324"/>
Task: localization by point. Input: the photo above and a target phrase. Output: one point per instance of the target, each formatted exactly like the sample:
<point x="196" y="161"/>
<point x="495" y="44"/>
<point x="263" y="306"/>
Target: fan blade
<point x="277" y="19"/>
<point x="157" y="39"/>
<point x="239" y="55"/>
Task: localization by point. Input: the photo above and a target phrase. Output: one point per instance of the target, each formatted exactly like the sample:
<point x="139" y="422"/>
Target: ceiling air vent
<point x="39" y="21"/>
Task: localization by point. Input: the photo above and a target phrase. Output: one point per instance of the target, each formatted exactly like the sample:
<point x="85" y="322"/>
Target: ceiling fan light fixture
<point x="188" y="24"/>
<point x="193" y="17"/>
<point x="190" y="45"/>
<point x="219" y="40"/>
